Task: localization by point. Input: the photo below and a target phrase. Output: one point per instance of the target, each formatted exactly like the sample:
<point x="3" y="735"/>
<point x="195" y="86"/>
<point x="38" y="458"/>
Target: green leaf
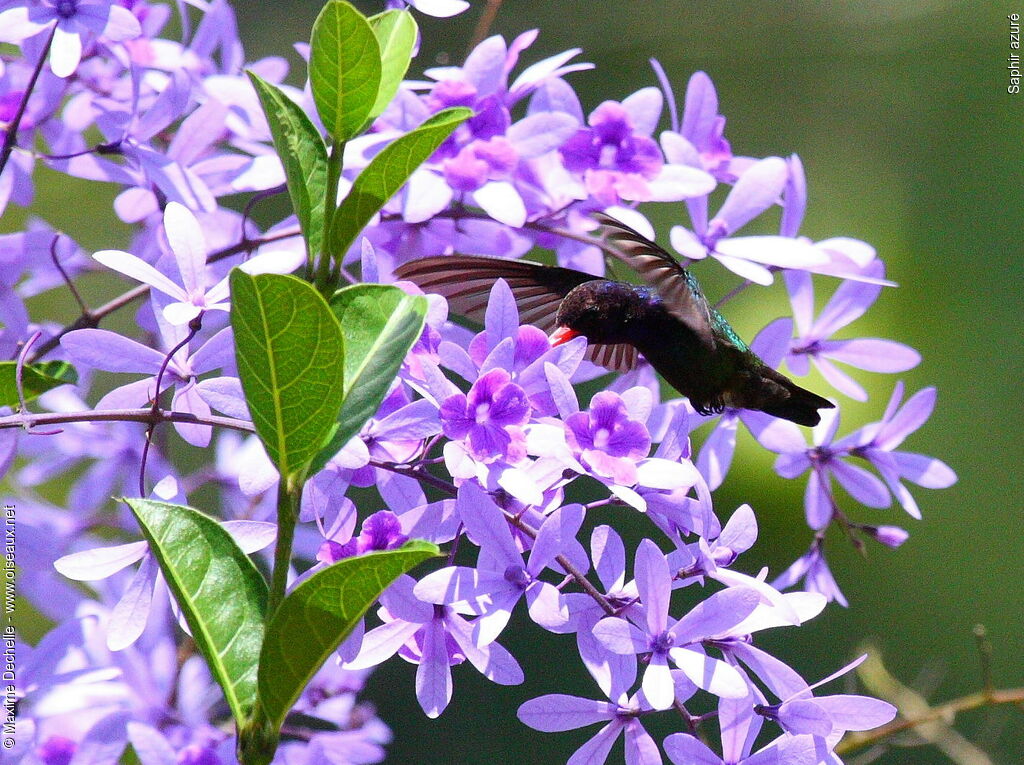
<point x="387" y="173"/>
<point x="344" y="69"/>
<point x="303" y="155"/>
<point x="396" y="34"/>
<point x="219" y="590"/>
<point x="36" y="379"/>
<point x="289" y="351"/>
<point x="380" y="324"/>
<point x="318" y="614"/>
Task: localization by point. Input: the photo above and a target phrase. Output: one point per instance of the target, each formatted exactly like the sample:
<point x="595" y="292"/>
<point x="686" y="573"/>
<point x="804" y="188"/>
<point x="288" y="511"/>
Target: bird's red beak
<point x="563" y="335"/>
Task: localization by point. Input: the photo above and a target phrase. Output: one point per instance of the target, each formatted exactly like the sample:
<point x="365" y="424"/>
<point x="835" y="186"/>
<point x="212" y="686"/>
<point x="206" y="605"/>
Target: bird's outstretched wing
<point x="674" y="284"/>
<point x="466" y="281"/>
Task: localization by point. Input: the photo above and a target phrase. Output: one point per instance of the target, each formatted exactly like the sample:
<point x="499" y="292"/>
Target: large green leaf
<point x="220" y="592"/>
<point x="396" y="34"/>
<point x="318" y="614"/>
<point x="380" y="324"/>
<point x="36" y="379"/>
<point x="290" y="359"/>
<point x="303" y="155"/>
<point x="387" y="173"/>
<point x="344" y="69"/>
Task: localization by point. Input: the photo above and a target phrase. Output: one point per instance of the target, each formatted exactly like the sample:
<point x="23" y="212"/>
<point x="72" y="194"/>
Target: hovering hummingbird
<point x="669" y="321"/>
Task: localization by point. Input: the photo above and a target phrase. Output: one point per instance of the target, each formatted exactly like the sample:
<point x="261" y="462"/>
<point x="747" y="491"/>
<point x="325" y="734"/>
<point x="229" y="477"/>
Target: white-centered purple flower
<point x="78" y="22"/>
<point x="489" y="418"/>
<point x="877" y="444"/>
<point x="618" y="159"/>
<point x="489" y="160"/>
<point x="435" y="638"/>
<point x="191" y="295"/>
<point x="678" y="640"/>
<point x="607" y="441"/>
<point x="557" y="712"/>
<point x="500" y="579"/>
<point x="814" y="342"/>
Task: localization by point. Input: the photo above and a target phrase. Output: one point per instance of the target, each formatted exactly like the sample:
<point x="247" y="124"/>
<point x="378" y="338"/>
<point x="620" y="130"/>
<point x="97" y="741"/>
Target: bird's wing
<point x="620" y="357"/>
<point x="676" y="286"/>
<point x="466" y="281"/>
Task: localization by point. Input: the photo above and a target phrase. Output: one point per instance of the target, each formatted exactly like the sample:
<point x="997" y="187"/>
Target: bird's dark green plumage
<point x="668" y="320"/>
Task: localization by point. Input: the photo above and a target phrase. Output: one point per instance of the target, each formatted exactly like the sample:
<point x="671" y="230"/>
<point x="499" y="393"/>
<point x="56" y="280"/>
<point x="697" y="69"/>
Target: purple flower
<point x="559" y="712"/>
<point x="380" y="531"/>
<point x="698" y="140"/>
<point x="619" y="160"/>
<point x="187" y="244"/>
<point x="893" y="536"/>
<point x="824" y="460"/>
<point x="487" y="161"/>
<point x="678" y="640"/>
<point x="684" y="749"/>
<point x="614" y="673"/>
<point x="435" y="638"/>
<point x="493" y="588"/>
<point x="827" y="715"/>
<point x="814" y="343"/>
<point x="757" y="189"/>
<point x="101" y="349"/>
<point x="606" y="440"/>
<point x="877" y="443"/>
<point x="813" y="570"/>
<point x="490" y="418"/>
<point x="128" y="618"/>
<point x="75" y="20"/>
<point x="523" y="351"/>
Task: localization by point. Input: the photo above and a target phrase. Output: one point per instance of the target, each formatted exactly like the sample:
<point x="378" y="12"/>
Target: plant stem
<point x="289" y="491"/>
<point x="323" y="277"/>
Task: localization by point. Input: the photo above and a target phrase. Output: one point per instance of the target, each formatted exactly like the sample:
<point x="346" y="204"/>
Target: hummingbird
<point x="667" y="320"/>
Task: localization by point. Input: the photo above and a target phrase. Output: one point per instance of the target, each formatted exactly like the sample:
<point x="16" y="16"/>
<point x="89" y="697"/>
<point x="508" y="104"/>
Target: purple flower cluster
<point x="478" y="440"/>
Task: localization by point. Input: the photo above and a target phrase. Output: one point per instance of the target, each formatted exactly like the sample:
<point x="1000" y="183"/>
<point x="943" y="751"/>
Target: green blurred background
<point x="900" y="113"/>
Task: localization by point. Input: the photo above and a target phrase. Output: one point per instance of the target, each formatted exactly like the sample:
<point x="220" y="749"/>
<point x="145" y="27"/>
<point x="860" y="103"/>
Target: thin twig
<point x="483" y="25"/>
<point x="145" y="416"/>
<point x="193" y="328"/>
<point x="15" y="124"/>
<point x="64" y="275"/>
<point x="942" y="713"/>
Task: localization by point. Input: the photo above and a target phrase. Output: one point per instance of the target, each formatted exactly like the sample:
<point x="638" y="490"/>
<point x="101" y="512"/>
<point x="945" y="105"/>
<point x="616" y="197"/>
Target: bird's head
<point x="600" y="310"/>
